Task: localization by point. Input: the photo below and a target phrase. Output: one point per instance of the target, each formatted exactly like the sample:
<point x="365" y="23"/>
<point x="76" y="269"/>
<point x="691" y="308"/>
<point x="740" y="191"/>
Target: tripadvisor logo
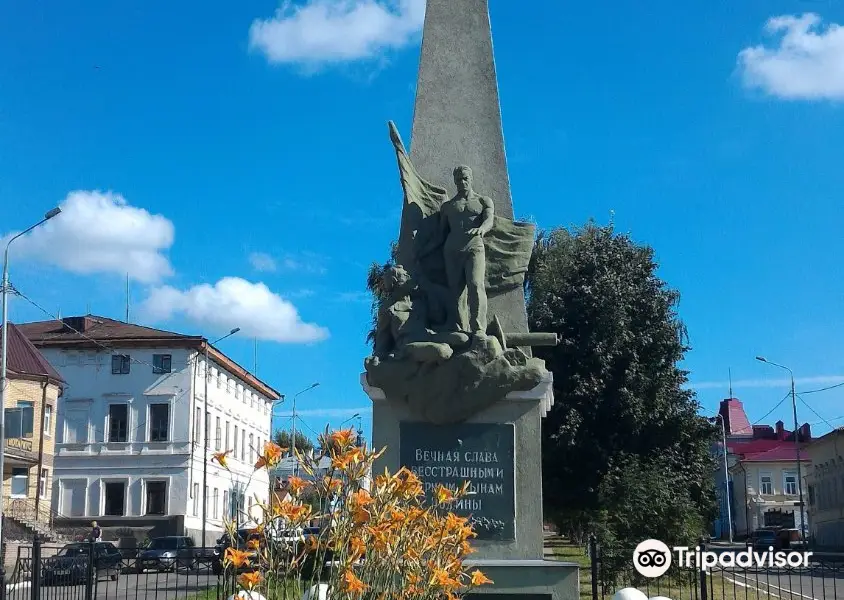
<point x="653" y="558"/>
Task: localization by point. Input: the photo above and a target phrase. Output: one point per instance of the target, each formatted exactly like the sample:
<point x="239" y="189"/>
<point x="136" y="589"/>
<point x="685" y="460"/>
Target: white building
<point x="130" y="429"/>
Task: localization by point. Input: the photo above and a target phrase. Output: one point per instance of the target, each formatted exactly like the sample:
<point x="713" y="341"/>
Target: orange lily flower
<point x="352" y="584"/>
<point x="271" y="455"/>
<point x="222" y="458"/>
<point x="478" y="578"/>
<point x="250" y="580"/>
<point x="236" y="558"/>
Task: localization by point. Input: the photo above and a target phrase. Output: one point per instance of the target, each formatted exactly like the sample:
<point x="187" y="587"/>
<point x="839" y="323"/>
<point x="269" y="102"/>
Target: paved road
<point x="812" y="584"/>
<point x="133" y="586"/>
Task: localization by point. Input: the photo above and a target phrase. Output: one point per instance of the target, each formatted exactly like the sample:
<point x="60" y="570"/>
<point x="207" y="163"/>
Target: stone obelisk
<point x="457" y="118"/>
<point x="457" y="121"/>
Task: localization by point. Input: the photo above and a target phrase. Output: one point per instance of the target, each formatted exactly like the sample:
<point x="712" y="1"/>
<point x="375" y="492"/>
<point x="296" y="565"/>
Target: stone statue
<point x="401" y="331"/>
<point x="463" y="221"/>
<point x="436" y="348"/>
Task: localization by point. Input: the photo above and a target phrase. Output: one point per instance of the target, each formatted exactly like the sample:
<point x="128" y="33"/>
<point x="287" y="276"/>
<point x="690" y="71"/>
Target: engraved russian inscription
<point x="480" y="453"/>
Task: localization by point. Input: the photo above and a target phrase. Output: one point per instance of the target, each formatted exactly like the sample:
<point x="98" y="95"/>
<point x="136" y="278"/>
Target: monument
<point x="457" y="395"/>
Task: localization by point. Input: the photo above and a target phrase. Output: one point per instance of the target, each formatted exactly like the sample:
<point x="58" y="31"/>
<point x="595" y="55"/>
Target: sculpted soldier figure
<point x="464" y="220"/>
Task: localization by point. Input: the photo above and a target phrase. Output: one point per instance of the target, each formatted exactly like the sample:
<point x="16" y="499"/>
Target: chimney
<point x="780" y="431"/>
<point x="74" y="323"/>
<point x="805" y="433"/>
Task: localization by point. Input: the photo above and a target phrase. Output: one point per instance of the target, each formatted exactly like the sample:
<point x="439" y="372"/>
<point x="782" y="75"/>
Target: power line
<point x="823" y="389"/>
<point x="815" y="412"/>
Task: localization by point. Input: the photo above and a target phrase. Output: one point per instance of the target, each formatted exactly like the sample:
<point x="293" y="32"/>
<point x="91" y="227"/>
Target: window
<point x="20" y="420"/>
<point x="156" y="498"/>
<point x="118" y="422"/>
<point x="790" y="484"/>
<point x="195" y="499"/>
<point x="119" y="364"/>
<point x="237" y="391"/>
<point x="227" y="436"/>
<point x="218" y="434"/>
<point x="251" y="448"/>
<point x="115" y="498"/>
<point x="43" y="482"/>
<point x="219" y="380"/>
<point x="159" y="422"/>
<point x="235" y="441"/>
<point x="48" y="420"/>
<point x="243" y="446"/>
<point x="207" y="430"/>
<point x="197" y="421"/>
<point x="226" y="504"/>
<point x="76" y="426"/>
<point x="230" y="385"/>
<point x="162" y="363"/>
<point x="259" y="446"/>
<point x="205" y="499"/>
<point x="766" y="484"/>
<point x="215" y="504"/>
<point x="20" y="482"/>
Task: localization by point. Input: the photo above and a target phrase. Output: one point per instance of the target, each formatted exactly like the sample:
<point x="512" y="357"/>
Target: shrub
<point x="381" y="541"/>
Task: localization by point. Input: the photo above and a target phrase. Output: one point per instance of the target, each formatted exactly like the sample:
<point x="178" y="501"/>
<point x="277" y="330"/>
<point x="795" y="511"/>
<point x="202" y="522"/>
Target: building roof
<point x="781" y="453"/>
<point x="92" y="331"/>
<point x="24" y="360"/>
<point x="735" y="419"/>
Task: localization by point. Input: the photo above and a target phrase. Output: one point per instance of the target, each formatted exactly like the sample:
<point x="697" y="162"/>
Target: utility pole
<point x="803" y="524"/>
<point x="293" y="429"/>
<point x="207" y="444"/>
<point x="4" y="325"/>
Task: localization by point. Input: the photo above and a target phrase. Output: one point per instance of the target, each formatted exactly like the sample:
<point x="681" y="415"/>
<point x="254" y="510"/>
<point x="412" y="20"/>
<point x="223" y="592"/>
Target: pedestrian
<point x="96" y="532"/>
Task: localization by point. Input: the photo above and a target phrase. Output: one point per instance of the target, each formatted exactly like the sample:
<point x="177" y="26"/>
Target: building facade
<point x="763" y="474"/>
<point x="131" y="431"/>
<point x="825" y="483"/>
<point x="29" y="405"/>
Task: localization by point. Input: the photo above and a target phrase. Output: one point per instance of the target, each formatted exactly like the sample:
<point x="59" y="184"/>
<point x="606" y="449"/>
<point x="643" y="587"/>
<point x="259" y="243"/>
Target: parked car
<point x="166" y="553"/>
<point x="70" y="564"/>
<point x="762" y="539"/>
<point x="240" y="543"/>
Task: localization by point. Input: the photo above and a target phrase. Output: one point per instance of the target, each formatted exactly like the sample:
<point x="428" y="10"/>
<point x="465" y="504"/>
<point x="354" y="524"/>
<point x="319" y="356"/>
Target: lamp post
<point x="720" y="417"/>
<point x="206" y="425"/>
<point x="803" y="523"/>
<point x="354" y="416"/>
<point x="3" y="359"/>
<point x="293" y="434"/>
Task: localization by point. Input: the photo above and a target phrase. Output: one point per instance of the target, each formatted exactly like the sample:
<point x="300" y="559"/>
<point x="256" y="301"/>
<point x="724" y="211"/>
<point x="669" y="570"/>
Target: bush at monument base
<point x="384" y="540"/>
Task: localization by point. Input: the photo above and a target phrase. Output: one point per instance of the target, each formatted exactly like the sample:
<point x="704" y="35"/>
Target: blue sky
<point x="233" y="158"/>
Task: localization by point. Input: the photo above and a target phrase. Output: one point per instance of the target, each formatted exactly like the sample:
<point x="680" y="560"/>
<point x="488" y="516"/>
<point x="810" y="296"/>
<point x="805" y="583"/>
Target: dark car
<point x="762" y="539"/>
<point x="243" y="536"/>
<point x="70" y="565"/>
<point x="167" y="553"/>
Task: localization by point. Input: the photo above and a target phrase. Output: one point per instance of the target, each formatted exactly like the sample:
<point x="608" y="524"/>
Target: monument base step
<point x="527" y="579"/>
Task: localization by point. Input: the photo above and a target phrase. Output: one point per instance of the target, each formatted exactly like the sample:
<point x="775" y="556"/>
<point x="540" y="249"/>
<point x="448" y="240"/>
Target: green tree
<point x="625" y="452"/>
<point x="282" y="438"/>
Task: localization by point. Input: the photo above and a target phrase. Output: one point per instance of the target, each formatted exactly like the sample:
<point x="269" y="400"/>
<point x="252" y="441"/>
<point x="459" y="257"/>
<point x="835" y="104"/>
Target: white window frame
<point x="126" y="502"/>
<point x="197" y="427"/>
<point x="43" y="478"/>
<point x="48" y="420"/>
<point x="12" y="482"/>
<point x="766" y="475"/>
<point x="144" y="506"/>
<point x="195" y="499"/>
<point x="215" y="500"/>
<point x="785" y="483"/>
<point x="169" y="422"/>
<point x="234" y="446"/>
<point x="69" y="422"/>
<point x="228" y="432"/>
<point x="218" y="433"/>
<point x="128" y="422"/>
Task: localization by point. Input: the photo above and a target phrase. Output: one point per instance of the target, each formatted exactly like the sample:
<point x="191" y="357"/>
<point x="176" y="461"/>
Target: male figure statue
<point x="464" y="220"/>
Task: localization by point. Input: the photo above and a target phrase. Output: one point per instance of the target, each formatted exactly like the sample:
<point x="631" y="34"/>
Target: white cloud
<point x="322" y="32"/>
<point x="100" y="232"/>
<point x="234" y="302"/>
<point x="820" y="380"/>
<point x="262" y="262"/>
<point x="807" y="63"/>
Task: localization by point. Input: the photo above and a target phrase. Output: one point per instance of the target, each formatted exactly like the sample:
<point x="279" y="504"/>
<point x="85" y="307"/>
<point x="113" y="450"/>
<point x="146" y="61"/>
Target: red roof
<point x="24" y="359"/>
<point x="735" y="419"/>
<point x="783" y="452"/>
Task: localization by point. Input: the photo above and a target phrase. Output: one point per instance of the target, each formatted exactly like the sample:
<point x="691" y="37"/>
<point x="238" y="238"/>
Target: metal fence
<point x="82" y="571"/>
<point x="613" y="570"/>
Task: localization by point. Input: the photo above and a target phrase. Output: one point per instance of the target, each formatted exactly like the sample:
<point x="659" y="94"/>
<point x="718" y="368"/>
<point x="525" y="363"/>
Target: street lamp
<point x="293" y="434"/>
<point x="354" y="416"/>
<point x="720" y="417"/>
<point x="3" y="358"/>
<point x="803" y="523"/>
<point x="205" y="450"/>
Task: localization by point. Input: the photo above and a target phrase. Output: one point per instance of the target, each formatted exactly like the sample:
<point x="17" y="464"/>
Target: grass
<point x="288" y="590"/>
<point x="718" y="588"/>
